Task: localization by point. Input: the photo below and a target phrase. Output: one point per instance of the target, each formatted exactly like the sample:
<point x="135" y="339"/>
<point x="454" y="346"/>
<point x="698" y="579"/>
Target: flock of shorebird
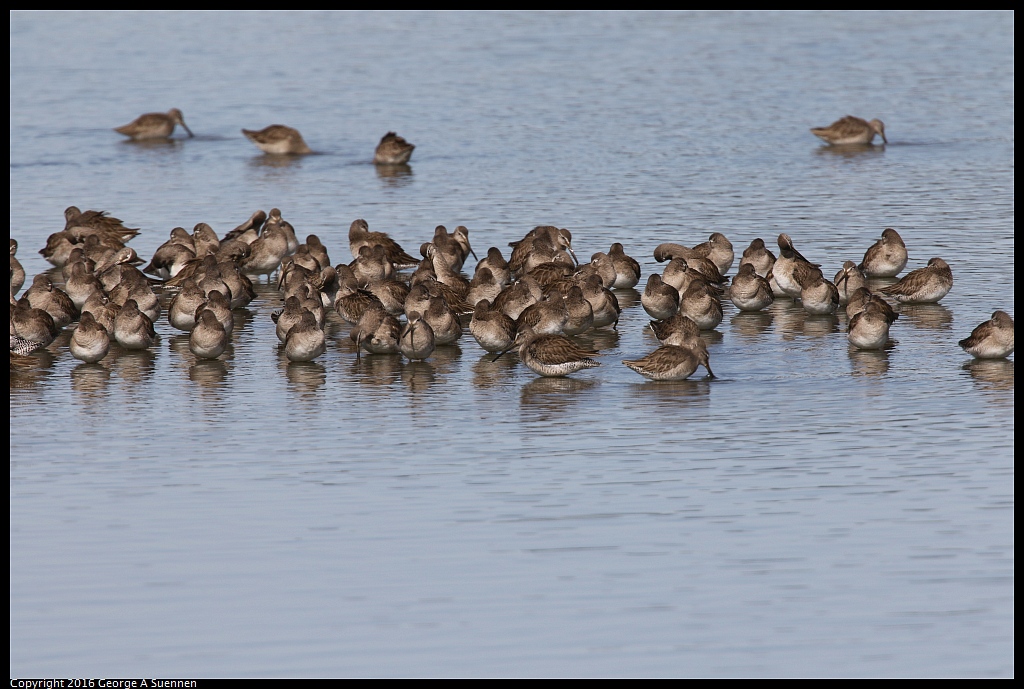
<point x="536" y="301"/>
<point x="277" y="139"/>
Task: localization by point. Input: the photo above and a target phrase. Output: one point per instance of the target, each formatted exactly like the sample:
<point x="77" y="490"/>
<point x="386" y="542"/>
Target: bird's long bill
<point x="710" y="374"/>
<point x="503" y="353"/>
<point x="185" y="127"/>
<point x="573" y="254"/>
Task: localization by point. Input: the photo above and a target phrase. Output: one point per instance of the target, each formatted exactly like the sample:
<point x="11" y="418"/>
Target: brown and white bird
<point x="757" y="254"/>
<point x="923" y="286"/>
<point x="886" y="257"/>
<point x="749" y="291"/>
<point x="869" y="329"/>
<point x="305" y="340"/>
<point x="359" y="235"/>
<point x="850" y="130"/>
<point x="154" y="125"/>
<point x="393" y="150"/>
<point x="993" y="339"/>
<point x="208" y="339"/>
<point x="671" y="362"/>
<point x="553" y="355"/>
<point x="278" y="139"/>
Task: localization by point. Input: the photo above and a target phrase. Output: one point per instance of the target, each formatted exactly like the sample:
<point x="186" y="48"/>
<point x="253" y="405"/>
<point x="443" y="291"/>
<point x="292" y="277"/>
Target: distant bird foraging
<point x="393" y="150"/>
<point x="850" y="130"/>
<point x="278" y="139"/>
<point x="154" y="125"/>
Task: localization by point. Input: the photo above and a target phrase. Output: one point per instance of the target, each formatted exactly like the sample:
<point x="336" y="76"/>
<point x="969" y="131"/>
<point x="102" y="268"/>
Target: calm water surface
<point x="813" y="511"/>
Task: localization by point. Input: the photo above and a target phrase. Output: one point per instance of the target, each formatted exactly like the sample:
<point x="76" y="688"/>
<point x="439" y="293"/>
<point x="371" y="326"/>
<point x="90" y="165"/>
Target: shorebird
<point x="219" y="305"/>
<point x="849" y="280"/>
<point x="377" y="331"/>
<point x="208" y="339"/>
<point x="627" y="270"/>
<point x="993" y="339"/>
<point x="679" y="330"/>
<point x="22" y="347"/>
<point x="443" y="321"/>
<point x="44" y="295"/>
<point x="359" y="235"/>
<point x="749" y="291"/>
<point x="547" y="316"/>
<point x="80" y="222"/>
<point x="305" y="341"/>
<point x="869" y="329"/>
<point x="704" y="266"/>
<point x="859" y="300"/>
<point x="393" y="150"/>
<point x="182" y="312"/>
<point x="17" y="271"/>
<point x="59" y="246"/>
<point x="552" y="355"/>
<point x="604" y="303"/>
<point x="818" y="296"/>
<point x="416" y="340"/>
<point x="132" y="328"/>
<point x="102" y="309"/>
<point x="671" y="362"/>
<point x="923" y="286"/>
<point x="81" y="284"/>
<point x="171" y="256"/>
<point x="660" y="299"/>
<point x="791" y="268"/>
<point x="886" y="257"/>
<point x="757" y="254"/>
<point x="850" y="130"/>
<point x="581" y="313"/>
<point x="498" y="266"/>
<point x="154" y="125"/>
<point x="700" y="303"/>
<point x="265" y="253"/>
<point x="32" y="324"/>
<point x="278" y="139"/>
<point x="484" y="285"/>
<point x="493" y="330"/>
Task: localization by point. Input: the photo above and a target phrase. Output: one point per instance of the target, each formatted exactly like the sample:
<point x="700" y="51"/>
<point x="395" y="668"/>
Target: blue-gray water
<point x="813" y="511"/>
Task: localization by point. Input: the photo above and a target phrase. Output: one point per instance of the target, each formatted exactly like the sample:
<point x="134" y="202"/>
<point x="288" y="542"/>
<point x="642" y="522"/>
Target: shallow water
<point x="812" y="511"/>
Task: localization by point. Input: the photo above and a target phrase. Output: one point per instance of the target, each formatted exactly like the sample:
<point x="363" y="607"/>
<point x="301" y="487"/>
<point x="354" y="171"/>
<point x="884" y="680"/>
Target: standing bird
<point x="886" y="257"/>
<point x="627" y="269"/>
<point x="552" y="355"/>
<point x="671" y="362"/>
<point x="96" y="222"/>
<point x="923" y="286"/>
<point x="154" y="125"/>
<point x="791" y="268"/>
<point x="305" y="340"/>
<point x="993" y="339"/>
<point x="132" y="328"/>
<point x="849" y="280"/>
<point x="208" y="339"/>
<point x="393" y="150"/>
<point x="660" y="299"/>
<point x="17" y="271"/>
<point x="416" y="340"/>
<point x="850" y="130"/>
<point x="757" y="254"/>
<point x="278" y="139"/>
<point x="869" y="329"/>
<point x="750" y="291"/>
<point x="359" y="235"/>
